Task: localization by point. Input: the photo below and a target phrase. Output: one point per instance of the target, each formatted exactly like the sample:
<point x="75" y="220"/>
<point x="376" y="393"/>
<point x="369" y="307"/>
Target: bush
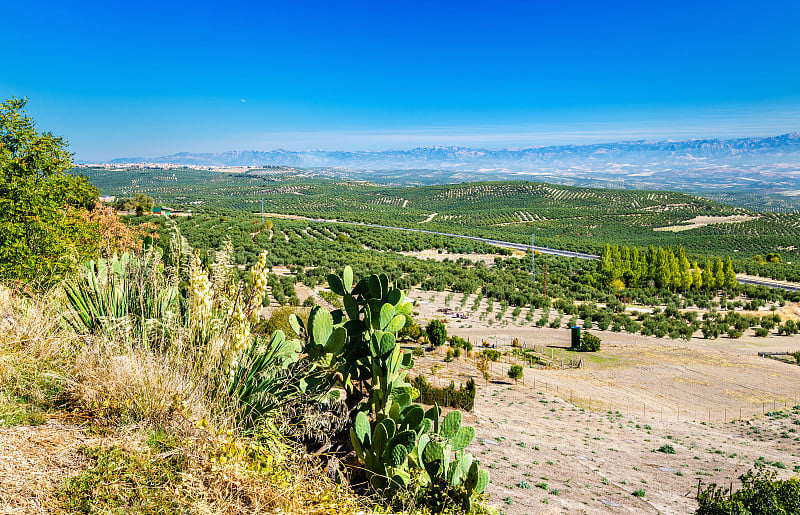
<point x="515" y="372"/>
<point x="460" y="343"/>
<point x="418" y="351"/>
<point x="437" y="333"/>
<point x="411" y="331"/>
<point x="761" y="492"/>
<point x="463" y="397"/>
<point x="491" y="354"/>
<point x="589" y="343"/>
<point x="762" y="332"/>
<point x="667" y="449"/>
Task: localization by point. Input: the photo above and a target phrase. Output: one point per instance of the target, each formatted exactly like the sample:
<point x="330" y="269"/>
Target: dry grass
<point x="82" y="384"/>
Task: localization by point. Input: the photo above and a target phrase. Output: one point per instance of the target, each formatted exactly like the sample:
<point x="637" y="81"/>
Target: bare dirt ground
<point x="584" y="440"/>
<point x="35" y="460"/>
<point x="488" y="259"/>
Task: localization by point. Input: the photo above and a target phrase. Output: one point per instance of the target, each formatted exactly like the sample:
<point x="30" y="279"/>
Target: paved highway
<point x="769" y="284"/>
<point x="523" y="247"/>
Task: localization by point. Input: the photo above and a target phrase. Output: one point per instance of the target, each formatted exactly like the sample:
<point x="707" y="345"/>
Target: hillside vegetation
<point x="564" y="217"/>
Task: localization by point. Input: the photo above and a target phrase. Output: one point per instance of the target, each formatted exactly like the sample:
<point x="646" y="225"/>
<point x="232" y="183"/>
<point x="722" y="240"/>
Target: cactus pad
<point x="347" y="279"/>
<point x="396" y="455"/>
<point x="379" y="439"/>
<point x="463" y="437"/>
<point x="361" y="426"/>
<point x="335" y="284"/>
<point x="451" y="424"/>
<point x="386" y="314"/>
<point x="412" y="416"/>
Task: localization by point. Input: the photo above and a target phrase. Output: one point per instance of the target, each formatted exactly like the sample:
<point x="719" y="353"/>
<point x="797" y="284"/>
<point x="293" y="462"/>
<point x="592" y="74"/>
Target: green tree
<point x="708" y="276"/>
<point x="42" y="233"/>
<point x="697" y="276"/>
<point x="515" y="372"/>
<point x="141" y="203"/>
<point x="144" y="204"/>
<point x="730" y="276"/>
<point x="686" y="273"/>
<point x="774" y="257"/>
<point x="719" y="273"/>
<point x="437" y="333"/>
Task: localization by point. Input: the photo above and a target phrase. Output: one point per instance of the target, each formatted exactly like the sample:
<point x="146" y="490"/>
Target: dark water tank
<point x="576" y="337"/>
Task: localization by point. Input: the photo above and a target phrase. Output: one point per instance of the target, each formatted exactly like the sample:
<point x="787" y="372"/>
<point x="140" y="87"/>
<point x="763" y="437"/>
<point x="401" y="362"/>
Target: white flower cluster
<point x="259" y="276"/>
<point x="200" y="294"/>
<point x="239" y="339"/>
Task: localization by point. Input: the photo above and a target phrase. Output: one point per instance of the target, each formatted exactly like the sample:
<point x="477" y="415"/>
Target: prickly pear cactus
<point x="398" y="442"/>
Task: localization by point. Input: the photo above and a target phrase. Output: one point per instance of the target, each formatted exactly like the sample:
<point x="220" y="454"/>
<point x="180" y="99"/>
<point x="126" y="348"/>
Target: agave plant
<point x="131" y="288"/>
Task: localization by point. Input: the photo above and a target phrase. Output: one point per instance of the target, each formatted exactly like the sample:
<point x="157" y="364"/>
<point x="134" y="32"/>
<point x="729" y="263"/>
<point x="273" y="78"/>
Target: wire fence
<point x="623" y="401"/>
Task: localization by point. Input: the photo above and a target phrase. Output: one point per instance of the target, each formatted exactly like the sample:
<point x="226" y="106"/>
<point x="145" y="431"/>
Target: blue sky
<point x="147" y="78"/>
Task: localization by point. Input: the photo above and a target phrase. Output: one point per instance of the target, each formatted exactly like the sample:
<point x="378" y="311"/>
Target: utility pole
<point x="262" y="211"/>
<point x="545" y="280"/>
<point x="533" y="261"/>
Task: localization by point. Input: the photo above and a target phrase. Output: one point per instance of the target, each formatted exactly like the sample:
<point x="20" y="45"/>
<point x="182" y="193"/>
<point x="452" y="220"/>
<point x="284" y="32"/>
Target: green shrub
<point x="491" y="354"/>
<point x="42" y="229"/>
<point x="667" y="449"/>
<point x="589" y="343"/>
<point x="515" y="372"/>
<point x="462" y="397"/>
<point x="437" y="332"/>
<point x="411" y="331"/>
<point x="460" y="343"/>
<point x="761" y="493"/>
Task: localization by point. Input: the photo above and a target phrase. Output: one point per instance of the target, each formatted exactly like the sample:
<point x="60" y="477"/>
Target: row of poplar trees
<point x="669" y="268"/>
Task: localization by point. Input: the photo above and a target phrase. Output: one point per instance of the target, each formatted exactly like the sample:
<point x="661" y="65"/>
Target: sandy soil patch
<point x="553" y="448"/>
<point x="488" y="259"/>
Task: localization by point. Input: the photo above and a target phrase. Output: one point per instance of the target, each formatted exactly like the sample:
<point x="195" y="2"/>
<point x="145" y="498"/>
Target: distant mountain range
<point x="741" y="151"/>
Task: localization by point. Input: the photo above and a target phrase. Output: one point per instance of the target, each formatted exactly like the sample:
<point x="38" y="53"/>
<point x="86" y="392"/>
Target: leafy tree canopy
<point x="437" y="332"/>
<point x="42" y="235"/>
